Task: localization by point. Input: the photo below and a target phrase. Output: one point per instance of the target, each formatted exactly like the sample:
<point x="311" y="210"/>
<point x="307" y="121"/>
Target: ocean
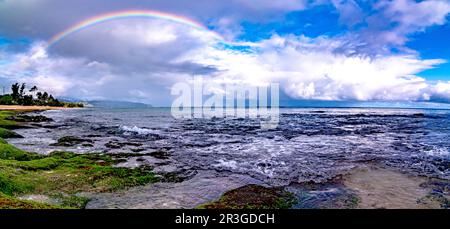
<point x="309" y="144"/>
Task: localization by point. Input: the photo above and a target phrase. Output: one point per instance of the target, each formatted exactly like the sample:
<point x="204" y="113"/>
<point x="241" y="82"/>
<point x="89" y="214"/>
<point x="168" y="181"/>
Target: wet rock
<point x="253" y="197"/>
<point x="160" y="154"/>
<point x="440" y="192"/>
<point x="29" y="118"/>
<point x="178" y="176"/>
<point x="118" y="145"/>
<point x="93" y="136"/>
<point x="164" y="168"/>
<point x="101" y="162"/>
<point x="137" y="160"/>
<point x="5" y="133"/>
<point x="204" y="187"/>
<point x="140" y="159"/>
<point x="48" y="126"/>
<point x="328" y="195"/>
<point x="136" y="150"/>
<point x="68" y="141"/>
<point x="113" y="145"/>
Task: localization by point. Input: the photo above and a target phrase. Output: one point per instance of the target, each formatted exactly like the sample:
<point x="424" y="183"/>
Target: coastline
<point x="30" y="108"/>
<point x="99" y="180"/>
<point x="29" y="180"/>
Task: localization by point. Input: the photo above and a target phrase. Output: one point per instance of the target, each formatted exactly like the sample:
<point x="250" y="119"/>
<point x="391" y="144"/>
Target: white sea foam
<point x="137" y="130"/>
<point x="230" y="164"/>
<point x="438" y="152"/>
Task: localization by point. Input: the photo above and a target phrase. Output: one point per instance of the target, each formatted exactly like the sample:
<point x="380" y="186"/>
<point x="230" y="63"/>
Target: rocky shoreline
<point x="136" y="178"/>
<point x="32" y="180"/>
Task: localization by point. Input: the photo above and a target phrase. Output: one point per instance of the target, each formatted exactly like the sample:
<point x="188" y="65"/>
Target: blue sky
<point x="433" y="43"/>
<point x="330" y="50"/>
<point x="318" y="21"/>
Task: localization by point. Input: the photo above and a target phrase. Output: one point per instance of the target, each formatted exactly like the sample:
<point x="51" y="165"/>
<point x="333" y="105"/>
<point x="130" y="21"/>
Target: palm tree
<point x="33" y="89"/>
<point x="15" y="91"/>
<point x="22" y="88"/>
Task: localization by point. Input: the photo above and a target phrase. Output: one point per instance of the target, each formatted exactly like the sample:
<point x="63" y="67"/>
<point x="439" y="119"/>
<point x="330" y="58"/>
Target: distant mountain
<point x="117" y="104"/>
<point x="69" y="99"/>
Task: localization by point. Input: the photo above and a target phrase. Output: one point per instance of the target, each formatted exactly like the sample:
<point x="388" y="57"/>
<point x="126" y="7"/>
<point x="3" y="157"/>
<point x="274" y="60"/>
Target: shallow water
<point x="216" y="155"/>
<point x="383" y="188"/>
<point x="308" y="145"/>
<point x="203" y="187"/>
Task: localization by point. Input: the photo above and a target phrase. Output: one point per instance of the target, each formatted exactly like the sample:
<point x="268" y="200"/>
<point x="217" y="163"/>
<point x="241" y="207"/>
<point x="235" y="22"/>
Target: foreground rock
<point x="29" y="118"/>
<point x="5" y="133"/>
<point x="115" y="144"/>
<point x="30" y="180"/>
<point x="68" y="141"/>
<point x="253" y="197"/>
<point x="204" y="187"/>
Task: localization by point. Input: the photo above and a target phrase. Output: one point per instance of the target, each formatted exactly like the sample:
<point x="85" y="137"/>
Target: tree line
<point x="21" y="96"/>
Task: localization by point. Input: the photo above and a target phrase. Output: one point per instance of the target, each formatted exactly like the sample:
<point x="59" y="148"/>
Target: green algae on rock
<point x="63" y="174"/>
<point x="253" y="197"/>
<point x="5" y="133"/>
<point x="29" y="118"/>
<point x="9" y="124"/>
<point x="71" y="141"/>
<point x="8" y="202"/>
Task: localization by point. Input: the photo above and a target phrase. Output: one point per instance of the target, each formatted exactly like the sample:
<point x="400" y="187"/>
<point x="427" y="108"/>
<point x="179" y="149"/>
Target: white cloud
<point x="310" y="69"/>
<point x="414" y="14"/>
<point x="32" y="17"/>
<point x="59" y="75"/>
<point x="144" y="34"/>
<point x="306" y="68"/>
<point x="349" y="12"/>
<point x="139" y="60"/>
<point x="133" y="60"/>
<point x="394" y="20"/>
<point x="442" y="90"/>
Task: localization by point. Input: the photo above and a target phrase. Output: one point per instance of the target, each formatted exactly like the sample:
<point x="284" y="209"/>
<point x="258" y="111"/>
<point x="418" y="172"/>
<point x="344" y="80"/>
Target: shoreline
<point x="30" y="108"/>
<point x="30" y="180"/>
<point x="367" y="186"/>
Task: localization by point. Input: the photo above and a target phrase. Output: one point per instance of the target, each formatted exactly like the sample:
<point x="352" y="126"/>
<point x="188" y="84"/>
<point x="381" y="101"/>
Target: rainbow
<point x="129" y="14"/>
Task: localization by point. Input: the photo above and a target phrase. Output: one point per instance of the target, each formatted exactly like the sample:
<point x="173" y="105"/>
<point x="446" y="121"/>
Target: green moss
<point x="71" y="201"/>
<point x="8" y="202"/>
<point x="439" y="192"/>
<point x="352" y="202"/>
<point x="65" y="174"/>
<point x="29" y="118"/>
<point x="253" y="197"/>
<point x="71" y="141"/>
<point x="8" y="124"/>
<point x="74" y="175"/>
<point x="32" y="165"/>
<point x="10" y="186"/>
<point x="62" y="154"/>
<point x="4" y="133"/>
<point x="10" y="152"/>
<point x="6" y="114"/>
<point x="60" y="175"/>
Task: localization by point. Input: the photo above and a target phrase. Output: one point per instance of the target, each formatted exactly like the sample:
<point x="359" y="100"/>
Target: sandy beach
<point x="29" y="108"/>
